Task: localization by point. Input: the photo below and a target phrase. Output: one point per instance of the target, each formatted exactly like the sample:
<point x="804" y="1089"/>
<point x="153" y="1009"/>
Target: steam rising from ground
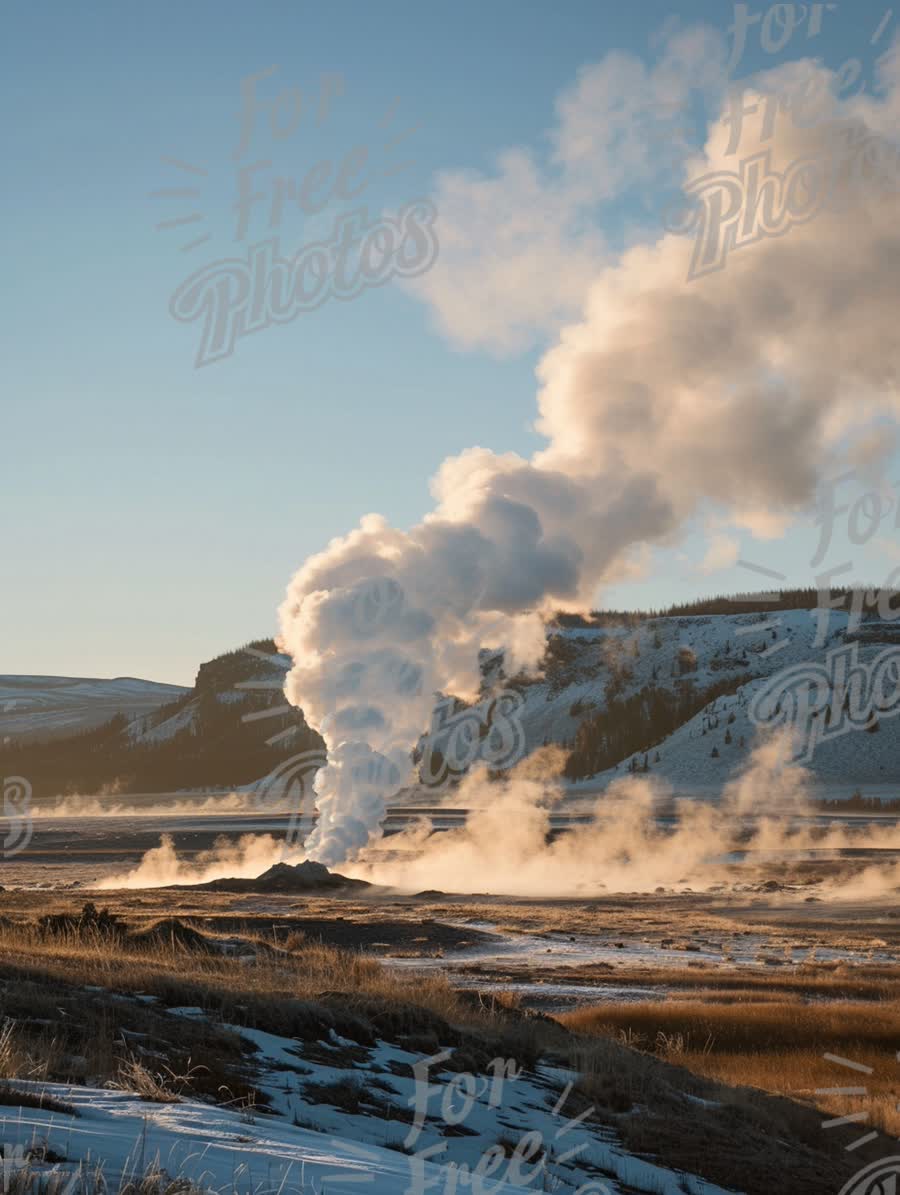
<point x="736" y="392"/>
<point x="625" y="848"/>
<point x="160" y="867"/>
<point x="132" y="806"/>
<point x="503" y="847"/>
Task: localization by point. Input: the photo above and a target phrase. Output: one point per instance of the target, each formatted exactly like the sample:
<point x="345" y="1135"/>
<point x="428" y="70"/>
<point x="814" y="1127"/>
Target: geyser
<point x="735" y="392"/>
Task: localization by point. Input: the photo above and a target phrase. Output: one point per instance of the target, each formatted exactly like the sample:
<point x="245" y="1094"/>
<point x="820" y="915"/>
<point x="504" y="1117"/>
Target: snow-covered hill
<point x="667" y="652"/>
<point x="744" y="653"/>
<point x="33" y="707"/>
<point x="714" y="746"/>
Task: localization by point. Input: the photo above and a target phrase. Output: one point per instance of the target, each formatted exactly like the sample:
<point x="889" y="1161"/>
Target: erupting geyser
<point x="734" y="392"/>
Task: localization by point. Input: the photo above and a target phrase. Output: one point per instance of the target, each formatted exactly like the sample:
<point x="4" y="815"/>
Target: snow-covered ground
<point x="417" y="1127"/>
<point x="216" y="1148"/>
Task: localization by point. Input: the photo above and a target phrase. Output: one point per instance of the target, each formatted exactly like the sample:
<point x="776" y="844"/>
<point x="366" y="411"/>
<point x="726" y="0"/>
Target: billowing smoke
<point x="736" y="390"/>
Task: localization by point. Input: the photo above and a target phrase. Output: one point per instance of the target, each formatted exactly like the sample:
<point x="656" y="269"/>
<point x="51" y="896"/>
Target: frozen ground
<point x="556" y="971"/>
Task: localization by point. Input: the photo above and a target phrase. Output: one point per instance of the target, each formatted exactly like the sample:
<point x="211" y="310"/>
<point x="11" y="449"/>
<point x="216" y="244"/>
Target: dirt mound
<point x="303" y="876"/>
<point x="285" y="877"/>
<point x="173" y="934"/>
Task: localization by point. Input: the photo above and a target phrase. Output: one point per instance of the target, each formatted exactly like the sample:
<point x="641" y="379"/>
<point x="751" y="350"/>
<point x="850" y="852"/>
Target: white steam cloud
<point x="737" y="390"/>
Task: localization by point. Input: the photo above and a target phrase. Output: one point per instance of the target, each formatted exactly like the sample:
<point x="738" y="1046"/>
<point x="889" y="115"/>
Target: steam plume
<point x="736" y="390"/>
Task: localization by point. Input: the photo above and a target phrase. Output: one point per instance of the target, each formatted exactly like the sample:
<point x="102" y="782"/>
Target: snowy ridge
<point x="588" y="667"/>
<point x="714" y="746"/>
<point x="44" y="706"/>
<point x="715" y="648"/>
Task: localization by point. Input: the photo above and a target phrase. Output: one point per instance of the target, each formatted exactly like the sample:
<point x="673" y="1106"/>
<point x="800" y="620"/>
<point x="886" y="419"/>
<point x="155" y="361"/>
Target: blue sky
<point x="154" y="511"/>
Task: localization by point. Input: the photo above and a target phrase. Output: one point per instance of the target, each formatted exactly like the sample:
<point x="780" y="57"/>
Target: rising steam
<point x="503" y="847"/>
<point x="161" y="867"/>
<point x="736" y="390"/>
<point x="132" y="806"/>
<point x="765" y="814"/>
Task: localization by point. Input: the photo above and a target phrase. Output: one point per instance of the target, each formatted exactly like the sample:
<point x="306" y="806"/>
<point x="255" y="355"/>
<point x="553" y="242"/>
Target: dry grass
<point x="24" y="1057"/>
<point x="769" y="1025"/>
<point x="18" y="1061"/>
<point x="659" y="1109"/>
<point x="157" y="1182"/>
<point x="27" y="1177"/>
<point x="162" y="1086"/>
<point x="741" y="1139"/>
<point x="304" y="993"/>
<point x="829" y="980"/>
<point x="14" y="1060"/>
<point x="805" y="1075"/>
<point x="178" y="976"/>
<point x="775" y="1046"/>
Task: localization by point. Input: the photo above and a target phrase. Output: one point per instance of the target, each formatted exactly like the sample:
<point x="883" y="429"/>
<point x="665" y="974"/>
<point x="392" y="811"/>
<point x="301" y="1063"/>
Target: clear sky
<point x="153" y="512"/>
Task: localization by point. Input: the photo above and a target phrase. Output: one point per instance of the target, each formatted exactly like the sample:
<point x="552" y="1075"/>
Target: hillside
<point x="667" y="692"/>
<point x="674" y="694"/>
<point x="230" y="729"/>
<point x="40" y="707"/>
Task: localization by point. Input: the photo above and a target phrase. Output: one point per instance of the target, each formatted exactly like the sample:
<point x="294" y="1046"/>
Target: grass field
<point x="718" y="1079"/>
<point x="777" y="1045"/>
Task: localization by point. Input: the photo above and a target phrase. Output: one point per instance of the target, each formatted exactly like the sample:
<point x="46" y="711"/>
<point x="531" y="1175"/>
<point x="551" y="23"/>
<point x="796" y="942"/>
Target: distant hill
<point x="230" y="729"/>
<point x="33" y="707"/>
<point x="672" y="692"/>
